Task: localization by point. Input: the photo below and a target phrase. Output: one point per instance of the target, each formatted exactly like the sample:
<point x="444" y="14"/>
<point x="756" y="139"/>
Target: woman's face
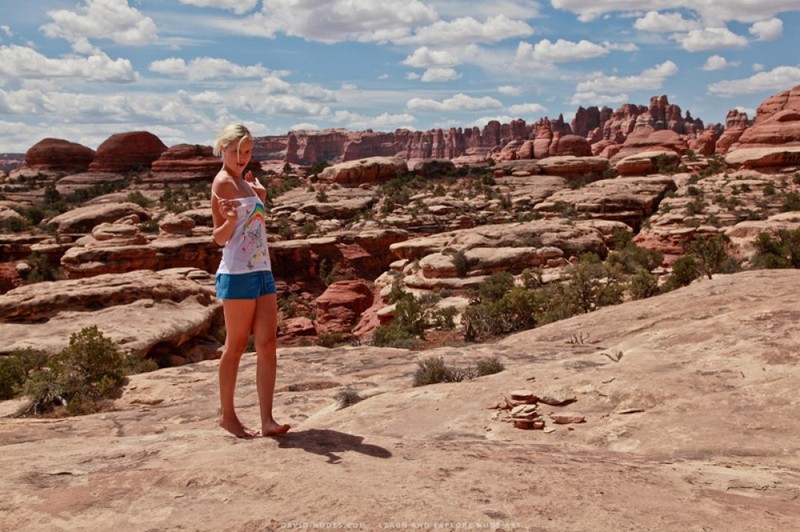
<point x="237" y="155"/>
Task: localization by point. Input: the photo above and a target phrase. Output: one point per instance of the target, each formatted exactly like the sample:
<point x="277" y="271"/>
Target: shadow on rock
<point x="326" y="442"/>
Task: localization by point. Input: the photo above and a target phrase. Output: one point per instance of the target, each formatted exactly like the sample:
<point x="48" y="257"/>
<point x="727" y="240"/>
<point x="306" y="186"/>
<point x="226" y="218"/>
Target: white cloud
<point x="384" y="121"/>
<point x="337" y="20"/>
<point x="466" y="30"/>
<point x="383" y="76"/>
<point x="413" y="75"/>
<point x="459" y="102"/>
<point x="655" y="21"/>
<point x="767" y="30"/>
<point x="509" y="90"/>
<point x="758" y="67"/>
<point x="777" y="79"/>
<point x="709" y="39"/>
<point x="710" y="11"/>
<point x="424" y="57"/>
<point x="440" y="74"/>
<point x="651" y="78"/>
<point x="482" y="121"/>
<point x="717" y="62"/>
<point x="527" y="109"/>
<point x="305" y="126"/>
<point x="522" y="9"/>
<point x="239" y="7"/>
<point x="19" y="62"/>
<point x="102" y="19"/>
<point x="206" y="68"/>
<point x="561" y="51"/>
<point x="7" y="30"/>
<point x="592" y="98"/>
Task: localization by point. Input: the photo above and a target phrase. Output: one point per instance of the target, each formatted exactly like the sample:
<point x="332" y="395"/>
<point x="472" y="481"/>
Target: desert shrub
<point x="90" y="369"/>
<point x="488" y="366"/>
<point x="632" y="258"/>
<point x="329" y="340"/>
<point x="41" y="270"/>
<point x="461" y="263"/>
<point x="791" y="202"/>
<point x="322" y="196"/>
<point x="684" y="271"/>
<point x="433" y="370"/>
<point x="711" y="254"/>
<point x="643" y="285"/>
<point x="347" y="397"/>
<point x="716" y="165"/>
<point x="15" y="367"/>
<point x="779" y="251"/>
<point x="591" y="284"/>
<point x="139" y="199"/>
<point x="444" y="318"/>
<point x="665" y="164"/>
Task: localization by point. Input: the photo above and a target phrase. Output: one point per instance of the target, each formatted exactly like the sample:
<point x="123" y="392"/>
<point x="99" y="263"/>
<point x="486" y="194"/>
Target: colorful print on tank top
<point x="253" y="243"/>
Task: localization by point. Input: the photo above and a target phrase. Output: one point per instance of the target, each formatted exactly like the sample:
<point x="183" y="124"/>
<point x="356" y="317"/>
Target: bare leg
<point x="238" y="321"/>
<point x="265" y="329"/>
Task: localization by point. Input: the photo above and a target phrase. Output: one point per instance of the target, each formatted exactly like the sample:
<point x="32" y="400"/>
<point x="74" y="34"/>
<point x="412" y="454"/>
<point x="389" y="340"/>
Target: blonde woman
<point x="244" y="280"/>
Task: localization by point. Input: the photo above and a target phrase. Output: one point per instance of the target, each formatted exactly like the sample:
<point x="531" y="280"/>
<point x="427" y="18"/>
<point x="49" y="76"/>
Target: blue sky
<point x="83" y="70"/>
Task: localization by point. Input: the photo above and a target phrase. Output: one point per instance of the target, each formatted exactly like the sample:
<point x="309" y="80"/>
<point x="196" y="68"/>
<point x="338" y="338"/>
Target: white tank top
<point x="247" y="250"/>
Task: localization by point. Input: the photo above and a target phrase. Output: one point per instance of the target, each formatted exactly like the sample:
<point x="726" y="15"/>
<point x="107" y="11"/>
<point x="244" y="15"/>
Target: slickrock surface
<point x="689" y="402"/>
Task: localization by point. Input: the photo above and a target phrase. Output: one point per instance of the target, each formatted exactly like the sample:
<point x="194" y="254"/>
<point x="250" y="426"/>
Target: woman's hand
<point x="227" y="208"/>
<point x="256" y="185"/>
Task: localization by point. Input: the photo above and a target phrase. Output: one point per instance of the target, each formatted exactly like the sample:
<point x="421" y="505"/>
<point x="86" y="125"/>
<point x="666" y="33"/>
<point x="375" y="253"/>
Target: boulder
<point x="59" y="155"/>
<point x="124" y="152"/>
<point x="370" y="170"/>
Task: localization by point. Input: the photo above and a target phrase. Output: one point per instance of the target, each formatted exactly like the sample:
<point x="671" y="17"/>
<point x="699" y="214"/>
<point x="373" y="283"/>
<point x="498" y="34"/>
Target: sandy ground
<point x="690" y="404"/>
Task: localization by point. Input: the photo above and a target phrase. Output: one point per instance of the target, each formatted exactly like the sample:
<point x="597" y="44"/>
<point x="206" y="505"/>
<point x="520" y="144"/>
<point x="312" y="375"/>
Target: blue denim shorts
<point x="245" y="285"/>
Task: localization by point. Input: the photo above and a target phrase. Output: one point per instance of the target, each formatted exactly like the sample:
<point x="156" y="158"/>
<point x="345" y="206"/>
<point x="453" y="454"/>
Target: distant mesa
<point x="601" y="132"/>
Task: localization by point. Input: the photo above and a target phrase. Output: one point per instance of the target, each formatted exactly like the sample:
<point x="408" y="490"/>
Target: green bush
<point x="41" y="270"/>
<point x="684" y="271"/>
<point x="461" y="263"/>
<point x="779" y="251"/>
<point x="488" y="366"/>
<point x="711" y="254"/>
<point x="432" y="370"/>
<point x="330" y="340"/>
<point x="643" y="285"/>
<point x="15" y="367"/>
<point x="78" y="378"/>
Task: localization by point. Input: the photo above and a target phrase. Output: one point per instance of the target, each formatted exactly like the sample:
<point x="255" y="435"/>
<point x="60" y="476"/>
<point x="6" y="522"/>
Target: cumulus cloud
<point x="19" y="62"/>
<point x="338" y="20"/>
<point x="655" y="21"/>
<point x="651" y="78"/>
<point x="439" y="74"/>
<point x="592" y="98"/>
<point x="465" y="30"/>
<point x="710" y="11"/>
<point x="459" y="102"/>
<point x="510" y="90"/>
<point x="561" y="51"/>
<point x="758" y="67"/>
<point x="424" y="57"/>
<point x="206" y="68"/>
<point x="521" y="9"/>
<point x="304" y="126"/>
<point x="709" y="39"/>
<point x="239" y="7"/>
<point x="717" y="62"/>
<point x="767" y="30"/>
<point x="777" y="79"/>
<point x="527" y="109"/>
<point x="381" y="122"/>
<point x="482" y="121"/>
<point x="102" y="19"/>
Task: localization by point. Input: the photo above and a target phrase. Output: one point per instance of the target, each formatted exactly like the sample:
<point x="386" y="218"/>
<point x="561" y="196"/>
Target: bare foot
<point x="274" y="429"/>
<point x="235" y="427"/>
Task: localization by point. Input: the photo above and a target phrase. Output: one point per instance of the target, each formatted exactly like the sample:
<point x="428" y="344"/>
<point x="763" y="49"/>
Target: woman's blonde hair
<point x="232" y="133"/>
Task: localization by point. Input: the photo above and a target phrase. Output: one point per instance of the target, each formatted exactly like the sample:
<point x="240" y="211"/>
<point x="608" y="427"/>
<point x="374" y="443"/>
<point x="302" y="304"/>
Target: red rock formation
<point x="570" y="145"/>
<point x="58" y="154"/>
<point x="706" y="142"/>
<point x="188" y="161"/>
<point x="777" y="122"/>
<point x="341" y="305"/>
<point x="735" y="124"/>
<point x="123" y="152"/>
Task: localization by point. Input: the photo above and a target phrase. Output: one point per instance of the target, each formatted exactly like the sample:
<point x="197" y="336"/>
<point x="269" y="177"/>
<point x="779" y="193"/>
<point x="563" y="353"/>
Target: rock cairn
<point x="522" y="409"/>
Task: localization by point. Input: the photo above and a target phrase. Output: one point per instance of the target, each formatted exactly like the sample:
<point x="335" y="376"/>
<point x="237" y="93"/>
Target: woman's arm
<point x="223" y="211"/>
